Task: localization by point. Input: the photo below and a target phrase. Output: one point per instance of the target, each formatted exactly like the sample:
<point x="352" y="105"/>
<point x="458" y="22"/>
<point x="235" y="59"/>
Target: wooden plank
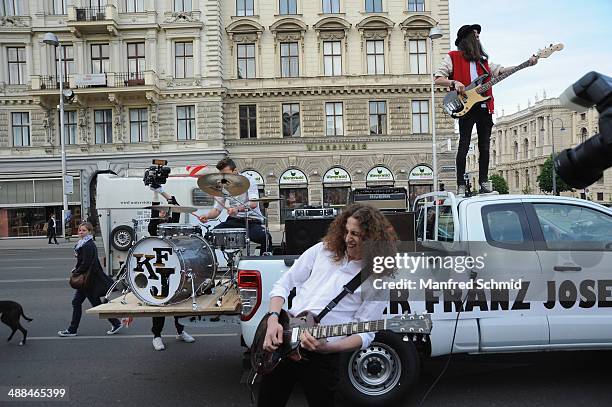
<point x="206" y="305"/>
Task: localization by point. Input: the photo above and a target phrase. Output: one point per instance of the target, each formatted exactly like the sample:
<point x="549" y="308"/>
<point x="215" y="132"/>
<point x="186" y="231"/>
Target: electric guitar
<point x="263" y="362"/>
<point x="458" y="104"/>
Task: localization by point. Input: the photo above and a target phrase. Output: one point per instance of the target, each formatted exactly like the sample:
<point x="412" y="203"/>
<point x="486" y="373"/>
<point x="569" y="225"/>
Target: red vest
<point x="461" y="73"/>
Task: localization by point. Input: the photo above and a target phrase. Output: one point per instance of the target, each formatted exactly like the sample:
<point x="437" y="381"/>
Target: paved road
<point x="125" y="370"/>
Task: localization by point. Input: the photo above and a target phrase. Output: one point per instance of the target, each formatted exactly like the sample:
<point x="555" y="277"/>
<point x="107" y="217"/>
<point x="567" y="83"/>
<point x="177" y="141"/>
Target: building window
<point x="331" y="6"/>
<point x="376" y="56"/>
<point x="67" y="54"/>
<point x="290" y="66"/>
<point x="374" y="6"/>
<point x="332" y="58"/>
<point x="516" y="151"/>
<point x="420" y="116"/>
<point x="100" y="59"/>
<point x="20" y="123"/>
<point x="418" y="56"/>
<point x="139" y="125"/>
<point x="16" y="65"/>
<point x="416" y="5"/>
<point x="291" y="120"/>
<point x="134" y="6"/>
<point x="183" y="59"/>
<point x="334" y="119"/>
<point x="246" y="61"/>
<point x="103" y="124"/>
<point x="185" y="122"/>
<point x="245" y="8"/>
<point x="248" y="121"/>
<point x="182" y="6"/>
<point x="584" y="135"/>
<point x="378" y="117"/>
<point x="517" y="180"/>
<point x="287" y="7"/>
<point x="582" y="116"/>
<point x="10" y="8"/>
<point x="600" y="196"/>
<point x="59" y="7"/>
<point x="525" y="148"/>
<point x="70" y="127"/>
<point x="136" y="60"/>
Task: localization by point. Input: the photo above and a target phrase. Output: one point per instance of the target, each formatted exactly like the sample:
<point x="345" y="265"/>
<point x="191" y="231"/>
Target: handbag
<point x="79" y="281"/>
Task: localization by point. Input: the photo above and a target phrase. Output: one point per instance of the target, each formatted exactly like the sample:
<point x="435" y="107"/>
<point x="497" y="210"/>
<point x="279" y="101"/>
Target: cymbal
<point x="265" y="199"/>
<point x="173" y="208"/>
<point x="213" y="184"/>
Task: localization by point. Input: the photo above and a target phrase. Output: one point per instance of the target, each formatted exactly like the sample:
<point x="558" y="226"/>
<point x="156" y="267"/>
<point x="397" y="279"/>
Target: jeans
<point x="484" y="122"/>
<point x="77" y="311"/>
<point x="257" y="233"/>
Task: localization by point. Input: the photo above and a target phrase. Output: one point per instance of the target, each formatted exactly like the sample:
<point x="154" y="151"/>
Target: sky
<point x="513" y="30"/>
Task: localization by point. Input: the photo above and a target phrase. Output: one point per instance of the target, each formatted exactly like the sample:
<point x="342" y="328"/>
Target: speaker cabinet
<point x="301" y="234"/>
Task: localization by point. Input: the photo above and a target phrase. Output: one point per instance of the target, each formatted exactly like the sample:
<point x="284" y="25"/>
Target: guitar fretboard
<point x="485" y="87"/>
<point x="350" y="328"/>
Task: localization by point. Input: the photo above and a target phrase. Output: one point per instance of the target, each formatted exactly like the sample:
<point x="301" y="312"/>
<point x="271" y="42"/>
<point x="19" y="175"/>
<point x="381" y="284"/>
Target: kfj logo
<point x="156" y="271"/>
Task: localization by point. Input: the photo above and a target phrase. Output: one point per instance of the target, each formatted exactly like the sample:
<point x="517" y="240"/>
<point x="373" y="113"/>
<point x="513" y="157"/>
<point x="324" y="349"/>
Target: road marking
<point x="25" y="267"/>
<point x="33" y="280"/>
<point x="119" y="336"/>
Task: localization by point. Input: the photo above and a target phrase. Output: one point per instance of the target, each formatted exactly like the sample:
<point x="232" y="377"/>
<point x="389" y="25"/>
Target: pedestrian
<point x="98" y="282"/>
<point x="51" y="229"/>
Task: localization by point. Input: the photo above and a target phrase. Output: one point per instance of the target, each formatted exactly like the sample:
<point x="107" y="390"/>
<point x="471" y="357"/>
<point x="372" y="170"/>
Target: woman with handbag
<point x="89" y="280"/>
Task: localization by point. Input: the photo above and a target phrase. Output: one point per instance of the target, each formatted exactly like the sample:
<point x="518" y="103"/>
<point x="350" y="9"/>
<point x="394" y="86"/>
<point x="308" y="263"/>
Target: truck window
<point x="506" y="226"/>
<point x="201" y="198"/>
<point x="568" y="227"/>
<point x="446" y="226"/>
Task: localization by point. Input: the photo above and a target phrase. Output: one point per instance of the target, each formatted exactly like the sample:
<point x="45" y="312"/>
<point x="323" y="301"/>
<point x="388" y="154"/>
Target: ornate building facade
<point x="336" y="92"/>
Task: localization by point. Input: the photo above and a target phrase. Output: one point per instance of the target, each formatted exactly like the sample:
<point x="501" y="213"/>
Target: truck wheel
<point x="122" y="237"/>
<point x="382" y="374"/>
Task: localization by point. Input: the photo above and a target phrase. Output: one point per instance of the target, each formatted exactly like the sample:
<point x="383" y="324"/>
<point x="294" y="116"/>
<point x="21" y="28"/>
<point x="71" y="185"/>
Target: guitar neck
<point x="350" y="328"/>
<point x="486" y="86"/>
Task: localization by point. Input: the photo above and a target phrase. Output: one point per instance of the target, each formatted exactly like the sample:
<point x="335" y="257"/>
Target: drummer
<point x="237" y="212"/>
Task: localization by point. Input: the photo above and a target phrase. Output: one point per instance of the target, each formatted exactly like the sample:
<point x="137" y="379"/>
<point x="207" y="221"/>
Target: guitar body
<point x="458" y="105"/>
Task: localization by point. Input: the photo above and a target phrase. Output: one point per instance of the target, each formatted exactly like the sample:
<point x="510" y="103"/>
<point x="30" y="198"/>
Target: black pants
<point x="484" y="122"/>
<point x="52" y="235"/>
<point x="257" y="233"/>
<point x="158" y="326"/>
<point x="318" y="376"/>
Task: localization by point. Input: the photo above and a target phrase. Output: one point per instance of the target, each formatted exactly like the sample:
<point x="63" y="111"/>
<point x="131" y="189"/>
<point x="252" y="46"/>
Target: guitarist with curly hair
<point x="457" y="70"/>
<point x="319" y="275"/>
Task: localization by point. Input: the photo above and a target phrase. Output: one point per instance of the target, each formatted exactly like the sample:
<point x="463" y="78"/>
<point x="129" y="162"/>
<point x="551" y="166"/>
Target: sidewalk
<point x="41" y="243"/>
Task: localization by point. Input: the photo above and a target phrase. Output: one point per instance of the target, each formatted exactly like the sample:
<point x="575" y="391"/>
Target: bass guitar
<point x="458" y="104"/>
<point x="263" y="362"/>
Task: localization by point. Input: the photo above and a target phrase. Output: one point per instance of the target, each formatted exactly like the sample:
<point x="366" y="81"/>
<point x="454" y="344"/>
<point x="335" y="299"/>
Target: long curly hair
<point x="377" y="230"/>
<point x="472" y="48"/>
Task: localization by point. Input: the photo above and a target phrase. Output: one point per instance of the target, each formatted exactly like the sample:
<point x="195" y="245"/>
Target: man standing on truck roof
<point x="319" y="276"/>
<point x="238" y="213"/>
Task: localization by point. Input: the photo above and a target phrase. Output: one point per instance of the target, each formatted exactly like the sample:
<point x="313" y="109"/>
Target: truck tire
<point x="122" y="237"/>
<point x="381" y="375"/>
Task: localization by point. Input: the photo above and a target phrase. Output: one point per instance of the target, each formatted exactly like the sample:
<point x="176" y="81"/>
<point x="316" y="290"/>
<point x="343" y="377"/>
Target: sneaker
<point x="461" y="190"/>
<point x="114" y="329"/>
<point x="66" y="333"/>
<point x="185" y="337"/>
<point x="484" y="188"/>
<point x="158" y="344"/>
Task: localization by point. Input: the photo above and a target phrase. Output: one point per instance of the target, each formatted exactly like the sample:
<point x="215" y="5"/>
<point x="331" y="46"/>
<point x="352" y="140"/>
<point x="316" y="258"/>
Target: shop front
<point x="420" y="181"/>
<point x="336" y="187"/>
<point x="293" y="192"/>
<point x="380" y="176"/>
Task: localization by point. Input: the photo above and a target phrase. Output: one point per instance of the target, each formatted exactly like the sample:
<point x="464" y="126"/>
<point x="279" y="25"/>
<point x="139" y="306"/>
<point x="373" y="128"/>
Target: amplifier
<point x="394" y="198"/>
<point x="318" y="213"/>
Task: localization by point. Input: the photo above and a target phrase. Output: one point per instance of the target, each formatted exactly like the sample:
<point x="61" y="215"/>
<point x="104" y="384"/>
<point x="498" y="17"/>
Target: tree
<point x="499" y="184"/>
<point x="545" y="178"/>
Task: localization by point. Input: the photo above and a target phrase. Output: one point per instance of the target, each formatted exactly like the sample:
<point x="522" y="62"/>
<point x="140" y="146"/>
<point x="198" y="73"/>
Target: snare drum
<point x="178" y="229"/>
<point x="162" y="271"/>
<point x="229" y="239"/>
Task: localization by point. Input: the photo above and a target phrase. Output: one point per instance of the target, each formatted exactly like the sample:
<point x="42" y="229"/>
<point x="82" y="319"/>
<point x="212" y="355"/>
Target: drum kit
<point x="181" y="262"/>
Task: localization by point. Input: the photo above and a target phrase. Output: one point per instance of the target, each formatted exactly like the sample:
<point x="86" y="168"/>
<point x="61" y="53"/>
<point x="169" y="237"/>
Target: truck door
<point x="574" y="243"/>
<point x="501" y="230"/>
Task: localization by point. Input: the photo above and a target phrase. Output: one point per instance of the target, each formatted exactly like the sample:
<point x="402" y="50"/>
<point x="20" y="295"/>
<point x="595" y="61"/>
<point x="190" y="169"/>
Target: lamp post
<point x="434" y="34"/>
<point x="552" y="126"/>
<point x="51" y="39"/>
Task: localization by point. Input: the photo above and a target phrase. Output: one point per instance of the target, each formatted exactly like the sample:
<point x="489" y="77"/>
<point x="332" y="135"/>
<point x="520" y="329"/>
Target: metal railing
<point x="123" y="79"/>
<point x="91" y="14"/>
<point x="52" y="82"/>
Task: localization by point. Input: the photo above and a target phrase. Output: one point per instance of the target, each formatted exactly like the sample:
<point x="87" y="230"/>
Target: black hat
<point x="465" y="30"/>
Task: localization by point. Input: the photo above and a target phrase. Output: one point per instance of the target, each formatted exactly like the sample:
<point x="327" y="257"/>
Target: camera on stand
<point x="157" y="174"/>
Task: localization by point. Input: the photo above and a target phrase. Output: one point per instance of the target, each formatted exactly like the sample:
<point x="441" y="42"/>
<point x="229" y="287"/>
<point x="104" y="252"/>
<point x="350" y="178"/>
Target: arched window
<point x="525" y="148"/>
<point x="583" y="135"/>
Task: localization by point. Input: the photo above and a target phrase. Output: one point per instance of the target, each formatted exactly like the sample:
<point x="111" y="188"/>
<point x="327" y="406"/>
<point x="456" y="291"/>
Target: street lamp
<point x="51" y="39"/>
<point x="552" y="125"/>
<point x="434" y="34"/>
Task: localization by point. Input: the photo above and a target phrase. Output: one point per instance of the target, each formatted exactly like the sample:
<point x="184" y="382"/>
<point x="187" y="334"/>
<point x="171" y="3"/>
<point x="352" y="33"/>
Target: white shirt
<point x="252" y="193"/>
<point x="318" y="280"/>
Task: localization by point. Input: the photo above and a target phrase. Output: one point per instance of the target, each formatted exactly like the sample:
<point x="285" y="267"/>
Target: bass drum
<point x="160" y="271"/>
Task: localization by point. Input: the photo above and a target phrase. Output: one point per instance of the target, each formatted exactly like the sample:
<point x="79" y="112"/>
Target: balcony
<point x="98" y="83"/>
<point x="93" y="20"/>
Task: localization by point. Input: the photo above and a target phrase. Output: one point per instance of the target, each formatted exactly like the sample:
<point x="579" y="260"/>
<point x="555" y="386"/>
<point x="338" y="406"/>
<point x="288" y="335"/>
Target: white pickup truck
<point x="564" y="243"/>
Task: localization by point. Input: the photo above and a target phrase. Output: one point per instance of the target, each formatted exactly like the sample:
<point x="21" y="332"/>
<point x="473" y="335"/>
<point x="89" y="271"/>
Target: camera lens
<point x="584" y="164"/>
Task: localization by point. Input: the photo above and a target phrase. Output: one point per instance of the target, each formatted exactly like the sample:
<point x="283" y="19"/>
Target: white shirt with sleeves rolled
<point x="318" y="280"/>
<point x="252" y="193"/>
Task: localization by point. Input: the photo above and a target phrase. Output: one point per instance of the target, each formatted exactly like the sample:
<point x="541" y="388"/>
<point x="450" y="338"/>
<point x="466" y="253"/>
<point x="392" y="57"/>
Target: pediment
<point x="244" y="26"/>
<point x="288" y="25"/>
<point x="332" y="24"/>
<point x="375" y="23"/>
<point x="418" y="22"/>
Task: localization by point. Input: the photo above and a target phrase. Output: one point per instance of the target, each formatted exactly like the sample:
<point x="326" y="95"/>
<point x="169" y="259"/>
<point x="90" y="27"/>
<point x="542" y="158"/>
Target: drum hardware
<point x="265" y="199"/>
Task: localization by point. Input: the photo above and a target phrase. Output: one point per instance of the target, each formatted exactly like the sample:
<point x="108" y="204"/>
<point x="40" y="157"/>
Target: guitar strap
<point x="348" y="288"/>
<point x="484" y="68"/>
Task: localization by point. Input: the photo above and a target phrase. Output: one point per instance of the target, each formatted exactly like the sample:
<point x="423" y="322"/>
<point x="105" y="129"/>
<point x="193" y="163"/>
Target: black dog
<point x="11" y="312"/>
